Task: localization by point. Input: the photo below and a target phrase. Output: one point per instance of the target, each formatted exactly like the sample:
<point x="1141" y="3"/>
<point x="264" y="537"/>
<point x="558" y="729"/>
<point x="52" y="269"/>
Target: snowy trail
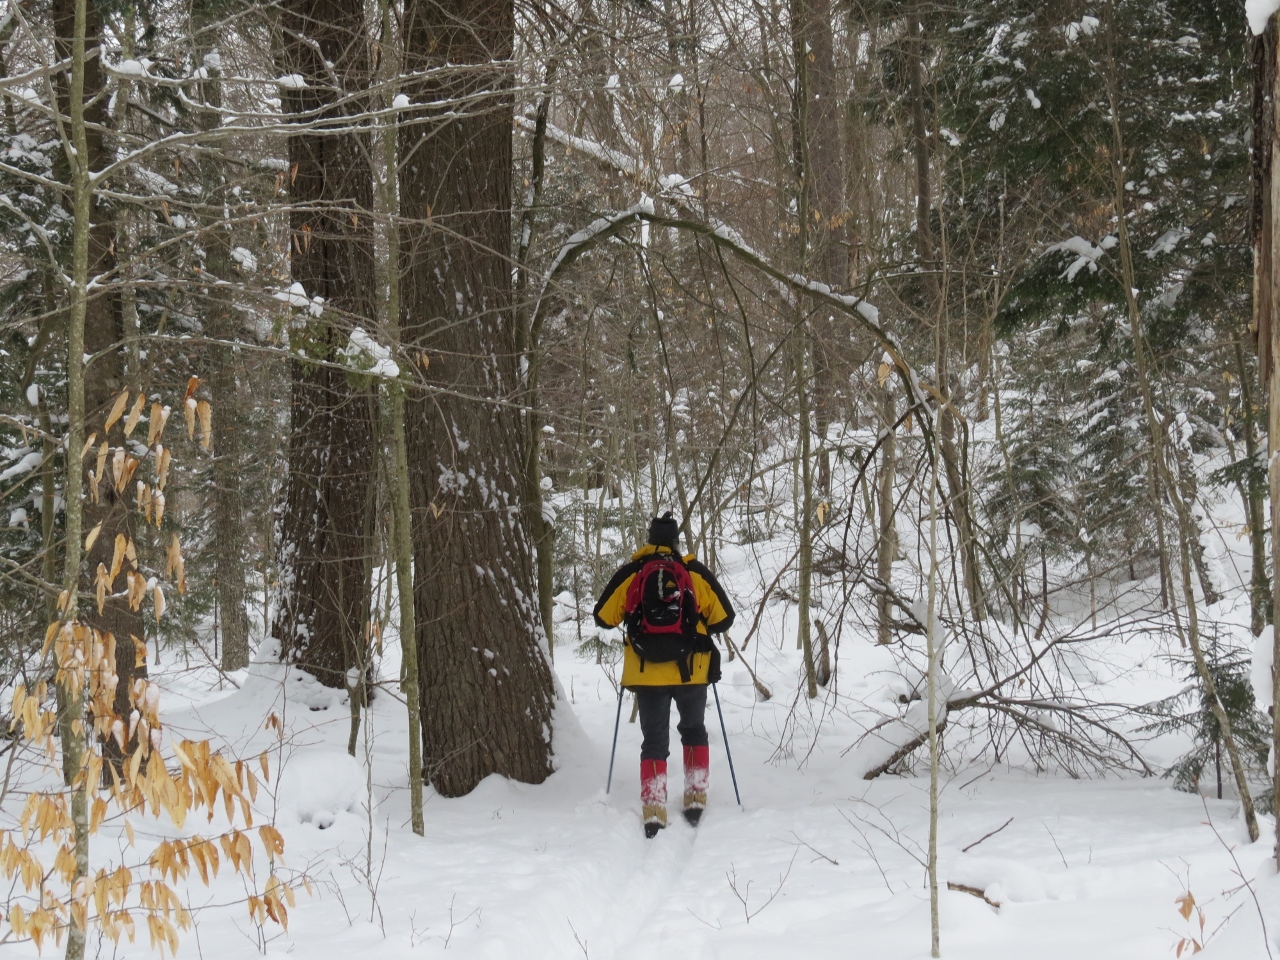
<point x="828" y="864"/>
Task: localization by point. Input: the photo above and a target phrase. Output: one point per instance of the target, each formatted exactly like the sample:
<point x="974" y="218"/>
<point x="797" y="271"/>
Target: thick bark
<point x="323" y="614"/>
<point x="487" y="690"/>
<point x="528" y="333"/>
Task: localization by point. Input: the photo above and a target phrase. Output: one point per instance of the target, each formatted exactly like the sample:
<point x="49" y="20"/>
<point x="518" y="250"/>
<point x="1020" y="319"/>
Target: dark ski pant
<point x="655" y="718"/>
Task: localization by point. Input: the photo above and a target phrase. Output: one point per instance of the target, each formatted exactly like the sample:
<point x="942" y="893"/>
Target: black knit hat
<point x="664" y="531"/>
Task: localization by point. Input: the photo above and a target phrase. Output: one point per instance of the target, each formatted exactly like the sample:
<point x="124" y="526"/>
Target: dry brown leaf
<point x="92" y="538"/>
<point x="102" y="459"/>
<point x="189" y="409"/>
<point x="157" y="503"/>
<point x="117" y="558"/>
<point x="163" y="467"/>
<point x="100" y="586"/>
<point x="88" y="444"/>
<point x="117" y="467"/>
<point x="135" y="414"/>
<point x="192" y="385"/>
<point x="1186" y="903"/>
<point x="153" y="422"/>
<point x="883" y="372"/>
<point x="205" y="412"/>
<point x="158" y="596"/>
<point x="117" y="410"/>
<point x="131" y="554"/>
<point x="130" y="468"/>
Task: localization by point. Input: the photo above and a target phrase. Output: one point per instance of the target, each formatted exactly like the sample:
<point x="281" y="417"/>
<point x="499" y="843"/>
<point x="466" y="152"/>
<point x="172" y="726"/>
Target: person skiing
<point x="671" y="605"/>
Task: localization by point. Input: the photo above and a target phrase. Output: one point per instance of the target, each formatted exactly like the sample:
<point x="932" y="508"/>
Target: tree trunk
<point x="487" y="690"/>
<point x="398" y="480"/>
<point x="221" y="321"/>
<point x="829" y="257"/>
<point x="1266" y="293"/>
<point x="72" y="29"/>
<point x="322" y="617"/>
<point x="1253" y="494"/>
<point x="887" y="542"/>
<point x="107" y="508"/>
<point x="803" y="497"/>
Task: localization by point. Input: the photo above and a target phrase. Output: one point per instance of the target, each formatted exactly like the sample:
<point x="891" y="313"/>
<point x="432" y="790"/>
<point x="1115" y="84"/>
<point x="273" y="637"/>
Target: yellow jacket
<point x="715" y="616"/>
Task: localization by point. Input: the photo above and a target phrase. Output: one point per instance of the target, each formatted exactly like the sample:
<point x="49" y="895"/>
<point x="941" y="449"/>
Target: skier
<point x="671" y="605"/>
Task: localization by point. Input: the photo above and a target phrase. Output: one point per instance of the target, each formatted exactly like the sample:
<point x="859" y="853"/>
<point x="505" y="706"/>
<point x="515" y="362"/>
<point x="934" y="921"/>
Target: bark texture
<point x="486" y="684"/>
<point x="325" y="532"/>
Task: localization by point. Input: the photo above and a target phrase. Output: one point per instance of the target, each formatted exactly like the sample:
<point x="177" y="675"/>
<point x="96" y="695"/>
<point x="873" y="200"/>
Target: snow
<point x="292" y="81"/>
<point x="815" y="860"/>
<point x="1258" y="12"/>
<point x="33" y="394"/>
<point x="295" y="295"/>
<point x="399" y="102"/>
<point x="1263" y="652"/>
<point x="248" y="262"/>
<point x="130" y="68"/>
<point x="316" y="786"/>
<point x="1087" y="255"/>
<point x="369" y="356"/>
<point x="821" y="857"/>
<point x="25" y="465"/>
<point x="1084" y="27"/>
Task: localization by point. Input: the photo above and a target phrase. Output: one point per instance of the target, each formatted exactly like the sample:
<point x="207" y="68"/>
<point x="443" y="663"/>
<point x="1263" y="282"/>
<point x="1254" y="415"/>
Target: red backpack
<point x="661" y="613"/>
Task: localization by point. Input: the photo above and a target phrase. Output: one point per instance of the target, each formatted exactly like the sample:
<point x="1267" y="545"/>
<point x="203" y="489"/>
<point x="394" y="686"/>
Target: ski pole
<point x="728" y="756"/>
<point x="616" y="720"/>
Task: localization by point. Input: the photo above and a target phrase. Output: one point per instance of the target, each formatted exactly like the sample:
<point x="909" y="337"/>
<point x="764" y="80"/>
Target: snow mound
<point x="1258" y="13"/>
<point x="317" y="785"/>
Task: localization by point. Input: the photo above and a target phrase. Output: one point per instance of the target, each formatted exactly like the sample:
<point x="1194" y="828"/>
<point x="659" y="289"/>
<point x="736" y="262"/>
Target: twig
<point x="1055" y="844"/>
<point x="1266" y="940"/>
<point x="744" y="895"/>
<point x="802" y="843"/>
<point x="582" y="944"/>
<point x="987" y="836"/>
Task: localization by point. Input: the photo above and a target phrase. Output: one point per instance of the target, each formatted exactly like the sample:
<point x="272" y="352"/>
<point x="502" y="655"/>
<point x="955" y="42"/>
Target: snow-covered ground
<point x="816" y="863"/>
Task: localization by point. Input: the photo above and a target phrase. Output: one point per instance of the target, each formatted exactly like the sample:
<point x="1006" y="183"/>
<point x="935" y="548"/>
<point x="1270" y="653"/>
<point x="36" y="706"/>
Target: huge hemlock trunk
<point x="322" y="621"/>
<point x="486" y="684"/>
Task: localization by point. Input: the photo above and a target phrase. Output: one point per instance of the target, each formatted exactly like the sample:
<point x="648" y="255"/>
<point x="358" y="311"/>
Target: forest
<point x="943" y="328"/>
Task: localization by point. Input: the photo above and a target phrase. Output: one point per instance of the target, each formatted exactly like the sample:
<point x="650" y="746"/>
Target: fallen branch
<point x="973" y="892"/>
